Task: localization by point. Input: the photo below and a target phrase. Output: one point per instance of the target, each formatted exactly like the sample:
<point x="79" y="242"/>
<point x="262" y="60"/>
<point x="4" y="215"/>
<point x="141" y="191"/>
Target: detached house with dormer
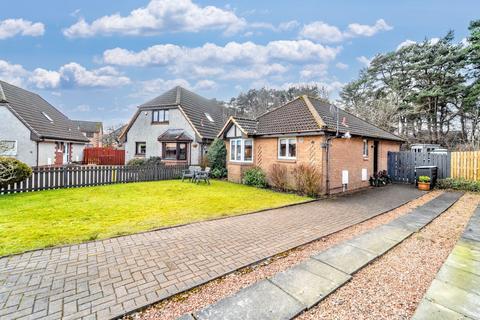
<point x="177" y="126"/>
<point x="35" y="132"/>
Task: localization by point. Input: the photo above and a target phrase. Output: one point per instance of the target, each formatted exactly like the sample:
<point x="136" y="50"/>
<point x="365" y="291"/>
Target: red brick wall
<point x="345" y="154"/>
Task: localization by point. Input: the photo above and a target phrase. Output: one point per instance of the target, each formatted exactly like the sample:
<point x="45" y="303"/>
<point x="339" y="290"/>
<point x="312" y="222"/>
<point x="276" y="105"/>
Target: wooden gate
<point x="401" y="165"/>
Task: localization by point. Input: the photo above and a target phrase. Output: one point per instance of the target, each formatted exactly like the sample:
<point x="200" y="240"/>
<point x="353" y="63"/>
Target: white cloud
<point x="314" y="71"/>
<point x="363" y="30"/>
<point x="409" y="42"/>
<point x="12" y="27"/>
<point x="83" y="108"/>
<point x="77" y="75"/>
<point x="255" y="72"/>
<point x="161" y="16"/>
<point x="364" y="60"/>
<point x="323" y="32"/>
<point x="205" y="85"/>
<point x="12" y="73"/>
<point x="154" y="87"/>
<point x="288" y="25"/>
<point x="406" y="43"/>
<point x="44" y="78"/>
<point x="69" y="75"/>
<point x="231" y="53"/>
<point x="341" y="65"/>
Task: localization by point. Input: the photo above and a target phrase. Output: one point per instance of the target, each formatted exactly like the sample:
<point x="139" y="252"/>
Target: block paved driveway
<point x="108" y="278"/>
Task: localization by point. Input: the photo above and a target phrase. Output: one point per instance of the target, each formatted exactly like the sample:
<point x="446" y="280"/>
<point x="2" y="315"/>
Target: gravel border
<point x="209" y="293"/>
<point x="393" y="285"/>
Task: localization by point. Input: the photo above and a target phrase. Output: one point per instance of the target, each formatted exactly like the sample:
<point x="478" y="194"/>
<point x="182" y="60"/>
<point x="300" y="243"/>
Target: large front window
<point x="174" y="151"/>
<point x="241" y="150"/>
<point x="287" y="148"/>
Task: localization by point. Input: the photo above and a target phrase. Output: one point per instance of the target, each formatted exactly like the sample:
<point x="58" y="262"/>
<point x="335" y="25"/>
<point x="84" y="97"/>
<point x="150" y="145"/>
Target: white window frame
<point x="287" y="156"/>
<point x="47" y="116"/>
<point x="365" y="148"/>
<point x="209" y="117"/>
<point x="11" y="152"/>
<point x="165" y="116"/>
<point x="233" y="142"/>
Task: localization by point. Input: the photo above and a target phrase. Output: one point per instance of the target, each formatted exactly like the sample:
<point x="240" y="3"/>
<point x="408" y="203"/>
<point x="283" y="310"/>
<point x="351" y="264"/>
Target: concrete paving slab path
<point x="455" y="291"/>
<point x="309" y="289"/>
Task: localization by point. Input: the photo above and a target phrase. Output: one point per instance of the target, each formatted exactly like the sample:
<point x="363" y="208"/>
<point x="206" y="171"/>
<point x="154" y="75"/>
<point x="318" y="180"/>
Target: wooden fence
<point x="401" y="165"/>
<point x="103" y="156"/>
<point x="465" y="165"/>
<point x="44" y="178"/>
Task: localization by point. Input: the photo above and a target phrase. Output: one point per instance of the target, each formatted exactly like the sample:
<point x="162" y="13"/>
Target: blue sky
<point x="98" y="60"/>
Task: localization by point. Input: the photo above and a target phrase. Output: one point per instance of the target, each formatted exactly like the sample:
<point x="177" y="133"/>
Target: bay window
<point x="174" y="151"/>
<point x="287" y="148"/>
<point x="241" y="150"/>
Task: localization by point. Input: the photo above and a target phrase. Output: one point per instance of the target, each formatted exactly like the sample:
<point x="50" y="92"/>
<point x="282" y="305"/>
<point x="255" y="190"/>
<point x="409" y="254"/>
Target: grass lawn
<point x="66" y="216"/>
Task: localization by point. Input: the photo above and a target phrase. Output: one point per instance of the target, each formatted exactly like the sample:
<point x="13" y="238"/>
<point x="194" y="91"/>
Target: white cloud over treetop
<point x="160" y="16"/>
<point x="323" y="32"/>
<point x="12" y="27"/>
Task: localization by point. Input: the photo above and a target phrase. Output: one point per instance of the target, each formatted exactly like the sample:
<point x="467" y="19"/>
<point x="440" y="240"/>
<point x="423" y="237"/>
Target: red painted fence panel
<point x="103" y="156"/>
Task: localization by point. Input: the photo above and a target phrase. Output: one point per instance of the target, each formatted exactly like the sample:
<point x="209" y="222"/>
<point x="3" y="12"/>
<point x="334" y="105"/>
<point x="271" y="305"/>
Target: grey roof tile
<point x="249" y="125"/>
<point x="294" y="116"/>
<point x="354" y="125"/>
<point x="175" y="135"/>
<point x="30" y="108"/>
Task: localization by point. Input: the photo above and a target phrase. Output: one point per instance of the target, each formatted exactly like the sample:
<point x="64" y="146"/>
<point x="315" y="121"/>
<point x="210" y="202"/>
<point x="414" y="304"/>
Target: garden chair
<point x="203" y="175"/>
<point x="189" y="173"/>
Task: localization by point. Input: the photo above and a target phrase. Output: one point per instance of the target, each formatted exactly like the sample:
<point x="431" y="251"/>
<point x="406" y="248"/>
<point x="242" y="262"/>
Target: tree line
<point x="427" y="92"/>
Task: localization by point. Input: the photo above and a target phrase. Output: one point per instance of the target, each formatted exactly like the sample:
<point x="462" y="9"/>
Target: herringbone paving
<point x="108" y="278"/>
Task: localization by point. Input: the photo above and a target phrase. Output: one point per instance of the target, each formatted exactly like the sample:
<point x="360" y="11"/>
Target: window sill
<point x="365" y="159"/>
<point x="140" y="155"/>
<point x="240" y="162"/>
<point x="161" y="122"/>
<point x="287" y="159"/>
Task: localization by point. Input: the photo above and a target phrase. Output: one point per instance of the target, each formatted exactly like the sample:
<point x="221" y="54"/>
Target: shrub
<point x="278" y="176"/>
<point x="459" y="184"/>
<point x="152" y="161"/>
<point x="218" y="173"/>
<point x="217" y="156"/>
<point x="255" y="177"/>
<point x="136" y="162"/>
<point x="424" y="179"/>
<point x="308" y="180"/>
<point x="12" y="171"/>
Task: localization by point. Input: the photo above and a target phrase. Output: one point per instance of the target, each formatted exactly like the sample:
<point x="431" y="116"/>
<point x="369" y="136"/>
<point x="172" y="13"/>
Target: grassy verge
<point x="67" y="216"/>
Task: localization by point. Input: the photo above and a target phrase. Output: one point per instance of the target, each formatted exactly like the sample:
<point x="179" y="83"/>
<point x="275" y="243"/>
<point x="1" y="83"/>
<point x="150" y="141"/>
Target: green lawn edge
<point x="51" y="218"/>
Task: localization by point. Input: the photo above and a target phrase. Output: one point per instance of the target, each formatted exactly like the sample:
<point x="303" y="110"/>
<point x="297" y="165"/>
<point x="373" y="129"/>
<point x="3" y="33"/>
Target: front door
<point x="66" y="152"/>
<point x="375" y="157"/>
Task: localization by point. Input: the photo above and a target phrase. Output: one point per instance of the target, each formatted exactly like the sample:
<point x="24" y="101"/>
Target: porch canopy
<point x="175" y="135"/>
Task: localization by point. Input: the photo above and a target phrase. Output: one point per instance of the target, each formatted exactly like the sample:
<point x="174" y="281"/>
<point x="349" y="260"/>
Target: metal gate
<point x="401" y="165"/>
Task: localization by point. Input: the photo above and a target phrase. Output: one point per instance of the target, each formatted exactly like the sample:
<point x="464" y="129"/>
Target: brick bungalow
<point x="347" y="150"/>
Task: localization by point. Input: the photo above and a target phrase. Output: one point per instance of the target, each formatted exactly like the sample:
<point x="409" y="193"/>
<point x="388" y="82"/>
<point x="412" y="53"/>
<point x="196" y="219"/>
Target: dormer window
<point x="209" y="117"/>
<point x="160" y="116"/>
<point x="48" y="117"/>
